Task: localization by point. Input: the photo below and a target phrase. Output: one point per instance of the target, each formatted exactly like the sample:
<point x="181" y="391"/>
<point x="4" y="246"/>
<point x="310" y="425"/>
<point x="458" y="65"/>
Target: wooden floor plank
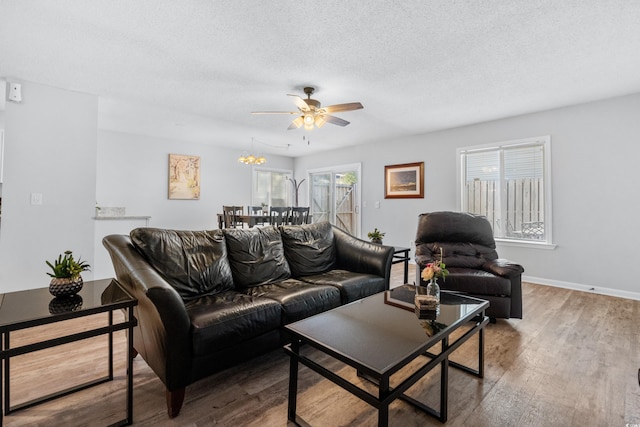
<point x="572" y="360"/>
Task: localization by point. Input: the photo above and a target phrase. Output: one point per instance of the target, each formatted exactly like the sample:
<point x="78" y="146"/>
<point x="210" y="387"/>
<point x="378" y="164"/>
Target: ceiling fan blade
<point x="335" y="120"/>
<point x="296" y="123"/>
<point x="299" y="102"/>
<point x="275" y="112"/>
<point x="343" y="107"/>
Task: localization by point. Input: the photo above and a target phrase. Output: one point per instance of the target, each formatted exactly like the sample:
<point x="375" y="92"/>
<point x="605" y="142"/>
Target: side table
<point x="26" y="309"/>
<point x="401" y="254"/>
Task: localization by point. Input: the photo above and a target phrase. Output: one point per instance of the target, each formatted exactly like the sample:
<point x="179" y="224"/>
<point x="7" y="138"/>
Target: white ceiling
<point x="194" y="70"/>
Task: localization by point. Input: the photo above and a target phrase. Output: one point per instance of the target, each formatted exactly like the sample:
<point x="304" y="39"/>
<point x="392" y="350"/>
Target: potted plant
<point x="376" y="236"/>
<point x="66" y="278"/>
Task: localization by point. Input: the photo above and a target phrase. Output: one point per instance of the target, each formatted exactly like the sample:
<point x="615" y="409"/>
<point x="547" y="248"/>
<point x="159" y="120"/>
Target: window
<point x="510" y="184"/>
<point x="269" y="187"/>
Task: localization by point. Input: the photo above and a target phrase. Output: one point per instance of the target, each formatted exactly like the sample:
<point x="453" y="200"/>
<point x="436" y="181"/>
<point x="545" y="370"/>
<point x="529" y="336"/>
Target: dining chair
<point x="279" y="215"/>
<point x="254" y="210"/>
<point x="299" y="215"/>
<point x="258" y="211"/>
<point x="231" y="219"/>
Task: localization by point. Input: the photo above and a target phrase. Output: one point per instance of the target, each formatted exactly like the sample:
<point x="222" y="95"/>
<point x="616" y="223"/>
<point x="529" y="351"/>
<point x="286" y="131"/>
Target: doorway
<point x="335" y="196"/>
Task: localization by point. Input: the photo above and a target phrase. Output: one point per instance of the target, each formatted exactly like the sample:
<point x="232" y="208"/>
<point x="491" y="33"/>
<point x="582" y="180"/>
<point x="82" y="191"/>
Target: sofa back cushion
<point x="309" y="248"/>
<point x="193" y="262"/>
<point x="256" y="256"/>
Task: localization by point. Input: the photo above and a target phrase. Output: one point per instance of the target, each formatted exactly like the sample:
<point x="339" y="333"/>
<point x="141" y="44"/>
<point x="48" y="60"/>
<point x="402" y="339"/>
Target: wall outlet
<point x="36" y="198"/>
<point x="377" y="204"/>
<point x="15" y="92"/>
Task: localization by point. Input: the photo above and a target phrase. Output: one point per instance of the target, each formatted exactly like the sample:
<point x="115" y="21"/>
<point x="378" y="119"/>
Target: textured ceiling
<point x="194" y="70"/>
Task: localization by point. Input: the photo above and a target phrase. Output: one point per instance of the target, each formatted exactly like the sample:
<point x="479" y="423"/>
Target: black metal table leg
<point x="293" y="379"/>
<point x="383" y="410"/>
<point x="444" y="382"/>
<point x="130" y="367"/>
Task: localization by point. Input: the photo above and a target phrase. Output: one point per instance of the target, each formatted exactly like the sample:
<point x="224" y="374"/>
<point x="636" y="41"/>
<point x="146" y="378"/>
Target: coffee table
<point x="380" y="335"/>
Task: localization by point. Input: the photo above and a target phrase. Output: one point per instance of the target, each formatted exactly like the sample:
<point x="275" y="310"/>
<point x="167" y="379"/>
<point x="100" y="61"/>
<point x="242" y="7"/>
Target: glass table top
<point x="381" y="331"/>
<point x="37" y="306"/>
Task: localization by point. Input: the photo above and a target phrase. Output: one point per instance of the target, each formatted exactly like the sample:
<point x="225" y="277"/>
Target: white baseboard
<point x="585" y="288"/>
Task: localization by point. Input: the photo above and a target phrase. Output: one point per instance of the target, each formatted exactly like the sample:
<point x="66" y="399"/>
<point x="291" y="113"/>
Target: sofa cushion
<point x="352" y="286"/>
<point x="228" y="318"/>
<point x="193" y="262"/>
<point x="298" y="299"/>
<point x="309" y="248"/>
<point x="256" y="256"/>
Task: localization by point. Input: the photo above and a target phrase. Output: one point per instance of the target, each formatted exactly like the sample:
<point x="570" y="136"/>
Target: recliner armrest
<point x="503" y="268"/>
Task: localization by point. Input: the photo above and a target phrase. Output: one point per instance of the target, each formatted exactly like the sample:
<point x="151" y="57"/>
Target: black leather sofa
<point x="471" y="258"/>
<point x="211" y="299"/>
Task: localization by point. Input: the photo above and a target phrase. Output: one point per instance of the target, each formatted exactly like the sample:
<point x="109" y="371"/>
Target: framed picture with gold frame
<point x="404" y="181"/>
<point x="184" y="177"/>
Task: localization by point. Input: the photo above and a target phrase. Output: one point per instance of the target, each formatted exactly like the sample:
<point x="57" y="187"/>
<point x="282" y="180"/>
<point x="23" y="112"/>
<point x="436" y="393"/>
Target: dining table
<point x="250" y="220"/>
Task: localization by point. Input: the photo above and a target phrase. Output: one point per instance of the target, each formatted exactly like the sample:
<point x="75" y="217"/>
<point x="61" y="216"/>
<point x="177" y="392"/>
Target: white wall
<point x="595" y="152"/>
<point x="53" y="147"/>
<point x="50" y="148"/>
<point x="132" y="171"/>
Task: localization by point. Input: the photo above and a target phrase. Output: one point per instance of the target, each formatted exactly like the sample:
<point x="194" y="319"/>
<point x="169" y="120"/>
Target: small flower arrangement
<point x="435" y="269"/>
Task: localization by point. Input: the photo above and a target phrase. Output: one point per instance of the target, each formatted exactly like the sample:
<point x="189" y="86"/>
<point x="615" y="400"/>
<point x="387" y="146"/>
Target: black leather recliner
<point x="471" y="258"/>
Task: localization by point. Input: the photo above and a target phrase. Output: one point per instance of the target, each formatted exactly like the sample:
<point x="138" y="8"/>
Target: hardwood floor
<point x="572" y="360"/>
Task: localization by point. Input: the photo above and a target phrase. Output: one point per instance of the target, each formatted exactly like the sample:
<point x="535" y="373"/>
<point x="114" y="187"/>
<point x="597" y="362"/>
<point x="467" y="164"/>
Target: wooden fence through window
<point x="524" y="208"/>
<point x="344" y="209"/>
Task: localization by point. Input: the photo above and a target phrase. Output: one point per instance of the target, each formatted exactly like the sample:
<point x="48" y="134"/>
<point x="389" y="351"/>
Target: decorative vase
<point x="60" y="287"/>
<point x="434" y="289"/>
<point x="427" y="300"/>
<point x="376" y="241"/>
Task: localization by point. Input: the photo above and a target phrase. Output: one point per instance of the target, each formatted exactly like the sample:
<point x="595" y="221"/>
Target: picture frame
<point x="184" y="177"/>
<point x="404" y="181"/>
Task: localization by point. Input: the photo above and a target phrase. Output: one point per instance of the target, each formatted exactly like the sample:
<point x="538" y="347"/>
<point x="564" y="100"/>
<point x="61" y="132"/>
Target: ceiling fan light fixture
<point x="311" y="114"/>
<point x="308" y="119"/>
<point x="320" y="120"/>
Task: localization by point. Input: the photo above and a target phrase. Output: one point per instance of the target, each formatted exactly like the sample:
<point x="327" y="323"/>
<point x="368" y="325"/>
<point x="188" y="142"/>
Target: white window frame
<point x="545" y="142"/>
<point x="254" y="172"/>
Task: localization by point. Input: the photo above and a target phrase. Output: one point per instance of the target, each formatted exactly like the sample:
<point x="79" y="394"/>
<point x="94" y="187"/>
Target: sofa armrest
<point x="163" y="334"/>
<point x="503" y="268"/>
<point x="360" y="256"/>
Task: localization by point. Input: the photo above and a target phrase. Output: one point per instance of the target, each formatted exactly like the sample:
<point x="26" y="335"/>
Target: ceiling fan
<point x="312" y="113"/>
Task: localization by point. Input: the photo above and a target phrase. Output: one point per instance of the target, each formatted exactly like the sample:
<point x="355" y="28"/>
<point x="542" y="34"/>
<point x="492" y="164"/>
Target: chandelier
<point x="250" y="159"/>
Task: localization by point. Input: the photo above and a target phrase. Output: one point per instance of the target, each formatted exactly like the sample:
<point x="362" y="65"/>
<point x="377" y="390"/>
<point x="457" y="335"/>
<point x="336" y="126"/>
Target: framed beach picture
<point x="405" y="181"/>
<point x="184" y="177"/>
